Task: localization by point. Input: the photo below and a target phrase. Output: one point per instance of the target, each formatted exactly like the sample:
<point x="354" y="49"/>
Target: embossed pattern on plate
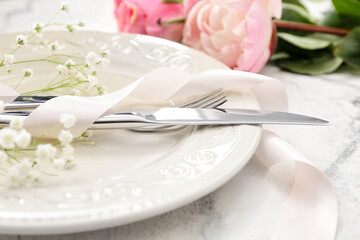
<point x="128" y="176"/>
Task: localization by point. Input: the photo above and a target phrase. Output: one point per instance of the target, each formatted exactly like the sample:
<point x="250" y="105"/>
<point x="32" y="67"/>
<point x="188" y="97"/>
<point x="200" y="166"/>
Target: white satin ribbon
<point x="311" y="212"/>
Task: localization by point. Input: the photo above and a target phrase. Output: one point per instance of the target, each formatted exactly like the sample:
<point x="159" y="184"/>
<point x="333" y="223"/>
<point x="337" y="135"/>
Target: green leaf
<point x="312" y="66"/>
<point x="295" y="13"/>
<point x="349" y="49"/>
<point x="334" y="39"/>
<point x="332" y="19"/>
<point x="295" y="2"/>
<point x="279" y="55"/>
<point x="161" y="23"/>
<point x="348" y="7"/>
<point x="304" y="42"/>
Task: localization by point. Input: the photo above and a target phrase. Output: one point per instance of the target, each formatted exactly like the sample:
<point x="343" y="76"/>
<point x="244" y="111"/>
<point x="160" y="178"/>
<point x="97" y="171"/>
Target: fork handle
<point x="27" y="102"/>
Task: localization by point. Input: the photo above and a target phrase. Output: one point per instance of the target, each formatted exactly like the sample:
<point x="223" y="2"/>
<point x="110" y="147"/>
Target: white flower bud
<point x="7" y="138"/>
<point x="65" y="137"/>
<point x="16" y="124"/>
<point x="59" y="163"/>
<point x="23" y="139"/>
<point x="68" y="120"/>
<point x="28" y="72"/>
<point x="68" y="152"/>
<point x="38" y="27"/>
<point x="45" y="152"/>
<point x="21" y="40"/>
<point x="92" y="59"/>
<point x="65" y="7"/>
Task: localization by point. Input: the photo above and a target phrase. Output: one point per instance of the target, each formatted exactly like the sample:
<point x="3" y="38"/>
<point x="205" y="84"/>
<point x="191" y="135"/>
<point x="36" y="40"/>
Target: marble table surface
<point x="249" y="205"/>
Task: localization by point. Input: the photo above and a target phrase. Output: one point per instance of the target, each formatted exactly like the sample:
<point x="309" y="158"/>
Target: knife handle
<point x="27" y="102"/>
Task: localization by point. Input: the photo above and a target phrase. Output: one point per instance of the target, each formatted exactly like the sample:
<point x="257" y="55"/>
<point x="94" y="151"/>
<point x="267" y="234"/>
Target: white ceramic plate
<point x="128" y="176"/>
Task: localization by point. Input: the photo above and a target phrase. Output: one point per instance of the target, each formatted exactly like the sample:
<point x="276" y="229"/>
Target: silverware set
<point x="203" y="110"/>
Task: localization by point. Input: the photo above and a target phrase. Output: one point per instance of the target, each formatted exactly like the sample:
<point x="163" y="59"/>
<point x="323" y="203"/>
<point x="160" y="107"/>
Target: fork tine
<point x="197" y="101"/>
<point x="217" y="104"/>
<point x="210" y="100"/>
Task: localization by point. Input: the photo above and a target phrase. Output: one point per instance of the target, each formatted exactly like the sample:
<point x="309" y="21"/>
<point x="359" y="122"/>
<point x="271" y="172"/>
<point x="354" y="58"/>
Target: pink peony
<point x="143" y="16"/>
<point x="237" y="32"/>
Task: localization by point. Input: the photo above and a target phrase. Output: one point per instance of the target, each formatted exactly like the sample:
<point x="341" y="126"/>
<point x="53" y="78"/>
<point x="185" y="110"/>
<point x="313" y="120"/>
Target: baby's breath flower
<point x="45" y="152"/>
<point x="55" y="46"/>
<point x="92" y="81"/>
<point x="69" y="163"/>
<point x="106" y="54"/>
<point x="21" y="40"/>
<point x="7" y="138"/>
<point x="16" y="124"/>
<point x="62" y="69"/>
<point x="38" y="26"/>
<point x="59" y="163"/>
<point x="28" y="72"/>
<point x="65" y="137"/>
<point x="3" y="157"/>
<point x="70" y="28"/>
<point x="91" y="59"/>
<point x="104" y="62"/>
<point x="68" y="152"/>
<point x="22" y="174"/>
<point x="68" y="120"/>
<point x="2" y="106"/>
<point x="9" y="59"/>
<point x="70" y="63"/>
<point x="87" y="134"/>
<point x="23" y="139"/>
<point x="102" y="90"/>
<point x="65" y="7"/>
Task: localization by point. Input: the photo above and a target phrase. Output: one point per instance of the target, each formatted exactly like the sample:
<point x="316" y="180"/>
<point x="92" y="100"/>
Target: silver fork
<point x="212" y="99"/>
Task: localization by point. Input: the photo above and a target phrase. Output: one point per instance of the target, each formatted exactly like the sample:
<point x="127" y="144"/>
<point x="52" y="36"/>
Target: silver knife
<point x="187" y="116"/>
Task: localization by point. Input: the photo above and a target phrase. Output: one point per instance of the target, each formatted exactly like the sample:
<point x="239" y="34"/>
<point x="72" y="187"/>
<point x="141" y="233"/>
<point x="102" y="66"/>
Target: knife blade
<point x="188" y="116"/>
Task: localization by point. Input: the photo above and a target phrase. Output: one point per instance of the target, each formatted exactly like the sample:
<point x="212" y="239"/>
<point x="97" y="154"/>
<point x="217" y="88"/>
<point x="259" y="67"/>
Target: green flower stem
<point x="81" y="71"/>
<point x="65" y="79"/>
<point x="66" y="85"/>
<point x="16" y="46"/>
<point x="11" y="156"/>
<point x="281" y="24"/>
<point x="19" y="82"/>
<point x="38" y="60"/>
<point x="46" y="133"/>
<point x="82" y="91"/>
<point x="23" y="149"/>
<point x="52" y="80"/>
